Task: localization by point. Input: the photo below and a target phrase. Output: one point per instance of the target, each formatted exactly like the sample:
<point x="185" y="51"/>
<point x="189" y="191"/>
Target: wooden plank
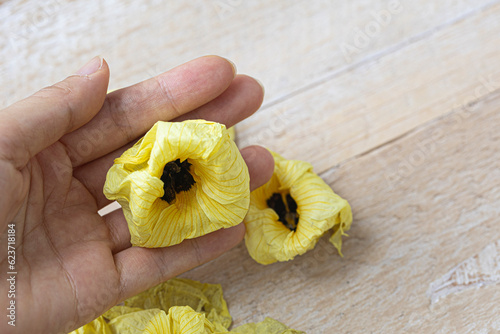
<point x="289" y="45"/>
<point x="422" y="205"/>
<point x="372" y="104"/>
<point x="425" y="204"/>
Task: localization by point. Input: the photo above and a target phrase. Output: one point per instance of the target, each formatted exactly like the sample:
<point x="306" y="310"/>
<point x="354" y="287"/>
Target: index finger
<point x="129" y="112"/>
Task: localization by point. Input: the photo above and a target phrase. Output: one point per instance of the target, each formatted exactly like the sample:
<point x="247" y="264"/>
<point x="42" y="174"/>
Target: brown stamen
<point x="287" y="213"/>
<point x="176" y="178"/>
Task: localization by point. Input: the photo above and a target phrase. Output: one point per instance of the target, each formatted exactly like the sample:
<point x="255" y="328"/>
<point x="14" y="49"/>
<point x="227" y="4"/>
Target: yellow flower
<point x="181" y="180"/>
<point x="185" y="320"/>
<point x="178" y="306"/>
<point x="291" y="212"/>
<point x="202" y="297"/>
<point x="179" y="320"/>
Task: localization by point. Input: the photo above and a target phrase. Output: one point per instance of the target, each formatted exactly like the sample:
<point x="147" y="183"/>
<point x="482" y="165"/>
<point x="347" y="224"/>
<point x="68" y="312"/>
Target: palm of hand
<point x="71" y="263"/>
<point x="65" y="260"/>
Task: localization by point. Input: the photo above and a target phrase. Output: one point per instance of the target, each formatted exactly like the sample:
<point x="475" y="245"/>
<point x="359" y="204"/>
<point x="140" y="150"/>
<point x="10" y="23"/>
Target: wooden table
<point x="395" y="103"/>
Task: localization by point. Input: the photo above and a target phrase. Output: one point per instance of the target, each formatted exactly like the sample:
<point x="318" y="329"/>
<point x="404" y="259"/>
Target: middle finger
<point x="129" y="112"/>
<point x="242" y="98"/>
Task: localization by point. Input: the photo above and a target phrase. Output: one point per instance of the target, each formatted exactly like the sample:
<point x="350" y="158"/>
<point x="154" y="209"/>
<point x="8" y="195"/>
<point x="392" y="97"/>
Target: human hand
<point x="55" y="149"/>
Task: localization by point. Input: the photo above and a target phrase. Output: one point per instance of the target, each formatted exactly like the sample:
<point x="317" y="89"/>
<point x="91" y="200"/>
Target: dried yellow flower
<point x="181" y="180"/>
<point x="288" y="214"/>
<point x="202" y="297"/>
<point x="178" y="306"/>
<point x="185" y="320"/>
<point x="178" y="320"/>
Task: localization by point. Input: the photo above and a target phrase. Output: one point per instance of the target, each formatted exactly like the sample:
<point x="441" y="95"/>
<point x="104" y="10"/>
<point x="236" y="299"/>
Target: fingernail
<point x="261" y="85"/>
<point x="234" y="67"/>
<point x="91" y="67"/>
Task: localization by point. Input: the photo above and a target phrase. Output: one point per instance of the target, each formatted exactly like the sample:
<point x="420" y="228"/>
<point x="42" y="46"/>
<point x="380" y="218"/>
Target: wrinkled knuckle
<point x="161" y="271"/>
<point x="119" y="118"/>
<point x="168" y="96"/>
<point x="197" y="252"/>
<point x="62" y="94"/>
<point x="61" y="89"/>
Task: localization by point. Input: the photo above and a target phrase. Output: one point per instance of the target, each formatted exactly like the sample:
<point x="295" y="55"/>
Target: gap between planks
<point x="379" y="55"/>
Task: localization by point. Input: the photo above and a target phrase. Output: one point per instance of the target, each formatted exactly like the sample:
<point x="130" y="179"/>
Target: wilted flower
<point x="178" y="306"/>
<point x="288" y="214"/>
<point x="202" y="297"/>
<point x="178" y="320"/>
<point x="181" y="180"/>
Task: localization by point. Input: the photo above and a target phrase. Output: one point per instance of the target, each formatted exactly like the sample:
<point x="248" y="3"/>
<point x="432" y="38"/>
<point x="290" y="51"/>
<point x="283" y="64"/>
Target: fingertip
<point x="233" y="65"/>
<point x="237" y="234"/>
<point x="260" y="164"/>
<point x="254" y="94"/>
<point x="225" y="67"/>
<point x="104" y="66"/>
<point x="97" y="68"/>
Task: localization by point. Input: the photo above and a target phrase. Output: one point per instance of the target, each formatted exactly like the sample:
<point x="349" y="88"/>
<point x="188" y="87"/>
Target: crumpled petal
<point x="185" y="320"/>
<point x="97" y="326"/>
<point x="201" y="297"/>
<point x="319" y="209"/>
<point x="219" y="198"/>
<point x="232" y="133"/>
<point x="178" y="320"/>
<point x="119" y="310"/>
<point x="136" y="322"/>
<point x="268" y="326"/>
<point x="178" y="306"/>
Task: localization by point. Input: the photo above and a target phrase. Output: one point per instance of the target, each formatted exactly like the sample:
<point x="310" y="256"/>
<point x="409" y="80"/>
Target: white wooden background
<point x="395" y="103"/>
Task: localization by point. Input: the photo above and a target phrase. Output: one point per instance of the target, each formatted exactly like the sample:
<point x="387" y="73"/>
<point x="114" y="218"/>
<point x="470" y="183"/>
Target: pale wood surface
<point x="405" y="127"/>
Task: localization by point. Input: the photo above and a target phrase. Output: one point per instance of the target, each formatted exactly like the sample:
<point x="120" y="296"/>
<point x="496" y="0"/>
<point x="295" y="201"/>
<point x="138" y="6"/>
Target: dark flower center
<point x="287" y="213"/>
<point x="176" y="178"/>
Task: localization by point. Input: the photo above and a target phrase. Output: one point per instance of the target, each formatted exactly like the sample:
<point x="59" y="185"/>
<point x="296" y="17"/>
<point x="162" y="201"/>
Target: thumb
<point x="32" y="124"/>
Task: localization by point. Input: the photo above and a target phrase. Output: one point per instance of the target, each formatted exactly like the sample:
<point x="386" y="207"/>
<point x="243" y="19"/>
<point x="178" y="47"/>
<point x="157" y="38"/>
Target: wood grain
<point x="422" y="205"/>
<point x="383" y="99"/>
<point x="288" y="45"/>
<point x="395" y="103"/>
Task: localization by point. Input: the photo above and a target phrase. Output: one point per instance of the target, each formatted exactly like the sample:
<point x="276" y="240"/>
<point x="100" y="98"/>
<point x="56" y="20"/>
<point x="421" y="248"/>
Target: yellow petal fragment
<point x="201" y="297"/>
<point x="154" y="311"/>
<point x="268" y="326"/>
<point x="137" y="322"/>
<point x="179" y="320"/>
<point x="232" y="133"/>
<point x="184" y="320"/>
<point x="319" y="209"/>
<point x="119" y="310"/>
<point x="219" y="198"/>
<point x="97" y="326"/>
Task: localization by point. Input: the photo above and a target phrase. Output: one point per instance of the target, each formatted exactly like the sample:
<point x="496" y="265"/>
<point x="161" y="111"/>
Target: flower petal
<point x="185" y="320"/>
<point x="98" y="326"/>
<point x="202" y="297"/>
<point x="268" y="326"/>
<point x="137" y="322"/>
